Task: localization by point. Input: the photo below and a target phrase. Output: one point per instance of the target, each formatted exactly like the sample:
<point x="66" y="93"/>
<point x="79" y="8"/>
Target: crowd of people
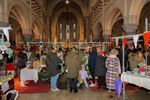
<point x="93" y="67"/>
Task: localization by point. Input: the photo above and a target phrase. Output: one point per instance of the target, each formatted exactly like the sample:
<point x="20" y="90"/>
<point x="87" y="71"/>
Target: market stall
<point x="136" y="79"/>
<point x="126" y="77"/>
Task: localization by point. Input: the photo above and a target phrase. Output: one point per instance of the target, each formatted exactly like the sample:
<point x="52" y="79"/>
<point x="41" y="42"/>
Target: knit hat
<point x="113" y="52"/>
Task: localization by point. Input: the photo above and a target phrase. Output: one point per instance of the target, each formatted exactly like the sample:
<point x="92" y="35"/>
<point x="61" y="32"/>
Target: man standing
<point x="73" y="64"/>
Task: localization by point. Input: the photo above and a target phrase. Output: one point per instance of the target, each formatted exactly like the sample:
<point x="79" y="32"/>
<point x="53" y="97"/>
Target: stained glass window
<point x="67" y="32"/>
<point x="60" y="34"/>
<point x="74" y="32"/>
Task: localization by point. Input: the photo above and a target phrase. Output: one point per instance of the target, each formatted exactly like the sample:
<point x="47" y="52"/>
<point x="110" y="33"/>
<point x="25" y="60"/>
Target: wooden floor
<point x="84" y="94"/>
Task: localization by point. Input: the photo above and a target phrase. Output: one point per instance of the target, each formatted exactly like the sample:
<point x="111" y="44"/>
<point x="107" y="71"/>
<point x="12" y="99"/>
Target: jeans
<point x="85" y="83"/>
<point x="54" y="81"/>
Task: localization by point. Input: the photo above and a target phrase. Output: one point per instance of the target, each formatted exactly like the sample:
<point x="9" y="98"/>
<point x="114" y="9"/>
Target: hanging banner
<point x="125" y="42"/>
<point x="6" y="32"/>
<point x="110" y="41"/>
<point x="146" y="36"/>
<point x="117" y="39"/>
<point x="135" y="40"/>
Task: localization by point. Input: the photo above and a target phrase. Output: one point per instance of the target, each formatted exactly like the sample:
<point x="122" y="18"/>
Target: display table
<point x="6" y="86"/>
<point x="136" y="79"/>
<point x="28" y="74"/>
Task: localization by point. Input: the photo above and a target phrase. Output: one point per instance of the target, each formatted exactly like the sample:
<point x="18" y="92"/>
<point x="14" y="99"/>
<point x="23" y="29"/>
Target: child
<point x="84" y="76"/>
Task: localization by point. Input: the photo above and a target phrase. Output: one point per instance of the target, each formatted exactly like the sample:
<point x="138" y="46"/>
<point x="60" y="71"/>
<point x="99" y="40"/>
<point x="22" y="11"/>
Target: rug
<point x="127" y="87"/>
<point x="94" y="88"/>
<point x="31" y="87"/>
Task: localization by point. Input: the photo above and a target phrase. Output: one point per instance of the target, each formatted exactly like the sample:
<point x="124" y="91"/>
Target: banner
<point x="146" y="36"/>
<point x="117" y="39"/>
<point x="125" y="42"/>
<point x="135" y="40"/>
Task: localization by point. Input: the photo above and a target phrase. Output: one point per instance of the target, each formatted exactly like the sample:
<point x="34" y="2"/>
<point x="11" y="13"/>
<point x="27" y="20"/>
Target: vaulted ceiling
<point x="79" y="5"/>
<point x="85" y="2"/>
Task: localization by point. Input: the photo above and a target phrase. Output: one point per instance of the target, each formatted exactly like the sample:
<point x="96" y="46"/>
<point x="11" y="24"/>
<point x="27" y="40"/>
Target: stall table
<point x="28" y="74"/>
<point x="136" y="79"/>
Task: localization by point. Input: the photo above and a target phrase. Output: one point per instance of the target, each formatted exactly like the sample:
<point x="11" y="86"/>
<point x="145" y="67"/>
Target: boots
<point x="71" y="90"/>
<point x="75" y="90"/>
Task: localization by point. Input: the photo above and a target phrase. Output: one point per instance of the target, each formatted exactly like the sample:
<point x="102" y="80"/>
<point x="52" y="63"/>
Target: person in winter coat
<point x="91" y="64"/>
<point x="52" y="62"/>
<point x="73" y="64"/>
<point x="22" y="59"/>
<point x="113" y="70"/>
<point x="100" y="70"/>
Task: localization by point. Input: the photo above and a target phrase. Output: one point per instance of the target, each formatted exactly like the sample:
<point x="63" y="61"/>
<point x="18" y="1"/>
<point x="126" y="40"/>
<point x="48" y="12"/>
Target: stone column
<point x="85" y="28"/>
<point x="58" y="34"/>
<point x="71" y="30"/>
<point x="48" y="28"/>
<point x="4" y="13"/>
<point x="106" y="38"/>
<point x="27" y="37"/>
<point x="78" y="33"/>
<point x="130" y="28"/>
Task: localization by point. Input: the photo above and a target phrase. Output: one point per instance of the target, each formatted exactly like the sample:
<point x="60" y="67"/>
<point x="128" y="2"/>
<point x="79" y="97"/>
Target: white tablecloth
<point x="28" y="74"/>
<point x="136" y="80"/>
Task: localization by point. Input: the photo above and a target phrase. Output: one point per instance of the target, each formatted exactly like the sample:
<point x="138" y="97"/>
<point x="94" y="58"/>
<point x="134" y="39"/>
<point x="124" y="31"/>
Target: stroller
<point x="11" y="95"/>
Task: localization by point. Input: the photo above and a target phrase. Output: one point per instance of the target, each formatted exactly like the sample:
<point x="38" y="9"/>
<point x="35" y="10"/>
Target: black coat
<point x="92" y="61"/>
<point x="22" y="59"/>
<point x="100" y="69"/>
<point x="52" y="61"/>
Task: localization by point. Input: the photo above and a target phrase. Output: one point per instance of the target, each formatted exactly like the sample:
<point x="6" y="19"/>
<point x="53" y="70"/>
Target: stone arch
<point x="116" y="15"/>
<point x="145" y="13"/>
<point x="135" y="10"/>
<point x="19" y="10"/>
<point x="98" y="32"/>
<point x="15" y="34"/>
<point x="36" y="31"/>
<point x="18" y="20"/>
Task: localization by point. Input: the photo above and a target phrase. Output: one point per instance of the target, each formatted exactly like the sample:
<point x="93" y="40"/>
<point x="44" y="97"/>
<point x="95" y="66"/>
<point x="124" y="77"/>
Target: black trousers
<point x="73" y="83"/>
<point x="93" y="75"/>
<point x="101" y="81"/>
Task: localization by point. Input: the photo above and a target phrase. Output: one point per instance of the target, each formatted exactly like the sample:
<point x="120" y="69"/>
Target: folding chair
<point x="13" y="92"/>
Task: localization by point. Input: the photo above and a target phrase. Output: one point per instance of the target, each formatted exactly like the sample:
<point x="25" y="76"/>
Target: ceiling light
<point x="67" y="1"/>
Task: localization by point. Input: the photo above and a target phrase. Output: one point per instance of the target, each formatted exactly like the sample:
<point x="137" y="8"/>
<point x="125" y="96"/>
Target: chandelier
<point x="4" y="42"/>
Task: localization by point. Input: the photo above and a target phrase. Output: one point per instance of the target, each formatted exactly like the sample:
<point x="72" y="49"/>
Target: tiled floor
<point x="84" y="94"/>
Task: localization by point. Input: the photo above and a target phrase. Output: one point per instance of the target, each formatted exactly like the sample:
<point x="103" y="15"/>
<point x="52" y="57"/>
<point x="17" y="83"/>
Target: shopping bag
<point x="118" y="86"/>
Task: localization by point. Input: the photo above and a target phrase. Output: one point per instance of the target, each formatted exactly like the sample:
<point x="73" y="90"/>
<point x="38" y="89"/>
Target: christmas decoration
<point x="4" y="43"/>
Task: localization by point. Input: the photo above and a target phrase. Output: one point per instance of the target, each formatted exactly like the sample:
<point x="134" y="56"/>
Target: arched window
<point x="74" y="33"/>
<point x="67" y="28"/>
<point x="67" y="32"/>
<point x="60" y="33"/>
